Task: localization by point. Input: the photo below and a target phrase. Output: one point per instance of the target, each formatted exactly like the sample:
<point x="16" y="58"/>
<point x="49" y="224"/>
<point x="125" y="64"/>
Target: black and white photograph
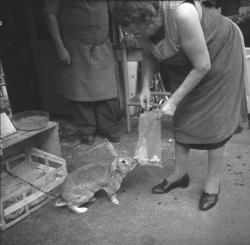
<point x="125" y="122"/>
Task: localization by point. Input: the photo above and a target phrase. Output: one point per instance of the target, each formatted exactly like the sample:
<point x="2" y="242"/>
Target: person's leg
<point x="215" y="166"/>
<point x="210" y="193"/>
<point x="179" y="177"/>
<point x="106" y="116"/>
<point x="84" y="119"/>
<point x="181" y="159"/>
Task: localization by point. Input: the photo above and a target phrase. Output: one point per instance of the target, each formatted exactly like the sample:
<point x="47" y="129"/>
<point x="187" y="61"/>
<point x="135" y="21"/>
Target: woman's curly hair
<point x="127" y="12"/>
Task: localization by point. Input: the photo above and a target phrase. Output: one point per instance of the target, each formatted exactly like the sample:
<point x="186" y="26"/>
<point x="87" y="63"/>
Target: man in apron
<point x="80" y="31"/>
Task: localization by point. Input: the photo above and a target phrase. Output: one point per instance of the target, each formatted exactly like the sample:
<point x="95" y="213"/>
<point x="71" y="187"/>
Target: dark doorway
<point x="17" y="40"/>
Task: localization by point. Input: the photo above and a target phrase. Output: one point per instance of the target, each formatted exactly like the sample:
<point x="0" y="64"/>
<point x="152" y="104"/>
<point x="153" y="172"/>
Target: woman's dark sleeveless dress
<point x="208" y="116"/>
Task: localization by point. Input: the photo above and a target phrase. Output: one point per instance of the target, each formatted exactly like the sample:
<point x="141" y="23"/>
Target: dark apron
<point x="92" y="74"/>
<point x="212" y="111"/>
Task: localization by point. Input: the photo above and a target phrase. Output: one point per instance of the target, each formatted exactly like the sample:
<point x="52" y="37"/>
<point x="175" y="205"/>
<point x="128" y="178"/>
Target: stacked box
<point x="25" y="184"/>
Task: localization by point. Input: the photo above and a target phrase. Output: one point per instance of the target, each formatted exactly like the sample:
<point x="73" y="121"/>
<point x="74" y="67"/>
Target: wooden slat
<point x="52" y="157"/>
<point x="20" y="136"/>
<point x="30" y="172"/>
<point x="33" y="197"/>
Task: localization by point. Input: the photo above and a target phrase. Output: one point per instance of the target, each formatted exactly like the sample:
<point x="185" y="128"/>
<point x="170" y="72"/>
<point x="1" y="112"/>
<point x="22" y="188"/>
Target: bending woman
<point x="201" y="52"/>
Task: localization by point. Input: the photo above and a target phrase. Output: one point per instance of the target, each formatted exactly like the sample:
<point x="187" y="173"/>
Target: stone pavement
<point x="143" y="218"/>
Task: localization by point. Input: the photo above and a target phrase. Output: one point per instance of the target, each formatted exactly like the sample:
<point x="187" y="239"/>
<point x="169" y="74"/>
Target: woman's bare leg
<point x="175" y="179"/>
<point x="215" y="167"/>
<point x="181" y="159"/>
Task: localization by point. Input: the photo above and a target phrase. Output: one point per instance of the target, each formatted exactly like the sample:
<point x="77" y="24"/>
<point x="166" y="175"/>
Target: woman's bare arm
<point x="149" y="68"/>
<point x="193" y="44"/>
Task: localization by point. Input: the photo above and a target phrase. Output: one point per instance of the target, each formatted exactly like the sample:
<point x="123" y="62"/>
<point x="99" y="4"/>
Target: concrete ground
<point x="143" y="218"/>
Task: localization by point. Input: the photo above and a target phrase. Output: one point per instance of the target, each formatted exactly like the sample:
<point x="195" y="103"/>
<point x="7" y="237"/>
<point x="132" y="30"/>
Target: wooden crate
<point x="18" y="198"/>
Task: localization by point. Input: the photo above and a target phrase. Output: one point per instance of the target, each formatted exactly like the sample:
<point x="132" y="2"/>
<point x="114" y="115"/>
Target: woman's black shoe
<point x="207" y="200"/>
<point x="165" y="186"/>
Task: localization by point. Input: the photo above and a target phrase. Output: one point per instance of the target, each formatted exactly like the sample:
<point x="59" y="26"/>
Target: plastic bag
<point x="148" y="148"/>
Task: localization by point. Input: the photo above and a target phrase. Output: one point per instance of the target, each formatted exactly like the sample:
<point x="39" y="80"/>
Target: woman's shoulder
<point x="186" y="13"/>
<point x="180" y="9"/>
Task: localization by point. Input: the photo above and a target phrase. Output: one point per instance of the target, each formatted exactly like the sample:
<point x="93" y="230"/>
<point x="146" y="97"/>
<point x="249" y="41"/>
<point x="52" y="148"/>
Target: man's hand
<point x="64" y="56"/>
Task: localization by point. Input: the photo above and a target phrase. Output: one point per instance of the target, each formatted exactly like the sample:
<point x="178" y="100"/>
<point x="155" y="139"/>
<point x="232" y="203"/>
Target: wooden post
<point x="125" y="77"/>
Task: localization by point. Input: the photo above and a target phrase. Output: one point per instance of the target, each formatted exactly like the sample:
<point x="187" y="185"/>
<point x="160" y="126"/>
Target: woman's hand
<point x="64" y="56"/>
<point x="145" y="97"/>
<point x="168" y="108"/>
